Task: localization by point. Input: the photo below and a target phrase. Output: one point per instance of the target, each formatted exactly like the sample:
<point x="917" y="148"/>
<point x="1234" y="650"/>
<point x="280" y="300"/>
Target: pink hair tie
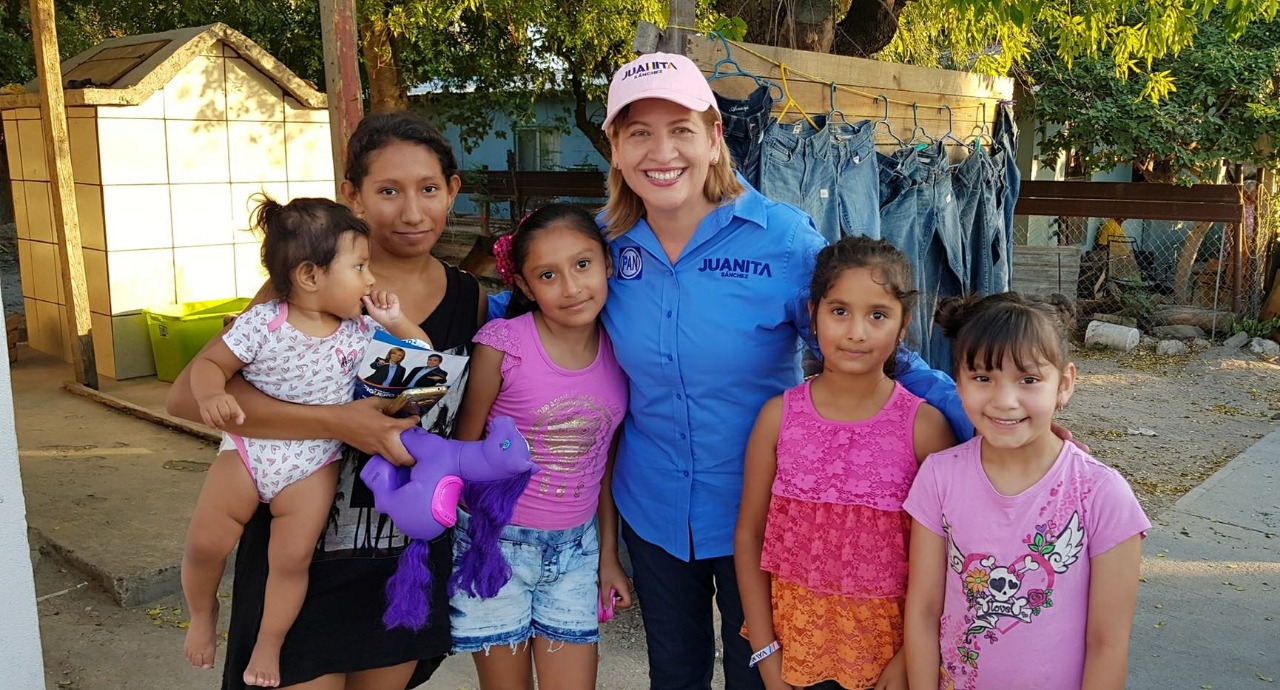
<point x="502" y="259"/>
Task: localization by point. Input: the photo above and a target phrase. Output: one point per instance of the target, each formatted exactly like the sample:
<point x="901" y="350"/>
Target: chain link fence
<point x="1261" y="241"/>
<point x="1201" y="273"/>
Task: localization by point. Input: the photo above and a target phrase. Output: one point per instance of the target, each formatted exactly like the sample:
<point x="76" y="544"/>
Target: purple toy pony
<point x="423" y="502"/>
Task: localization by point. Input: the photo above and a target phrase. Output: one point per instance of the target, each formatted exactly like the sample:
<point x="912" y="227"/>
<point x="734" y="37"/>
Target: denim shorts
<point x="553" y="592"/>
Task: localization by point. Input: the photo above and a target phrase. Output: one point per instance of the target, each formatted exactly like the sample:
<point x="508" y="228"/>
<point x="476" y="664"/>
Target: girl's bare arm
<point x="483" y="385"/>
<point x="926" y="582"/>
<point x="1113" y="596"/>
<point x="754" y="584"/>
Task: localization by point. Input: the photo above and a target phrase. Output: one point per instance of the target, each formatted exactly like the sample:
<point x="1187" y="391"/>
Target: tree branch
<point x="585" y="124"/>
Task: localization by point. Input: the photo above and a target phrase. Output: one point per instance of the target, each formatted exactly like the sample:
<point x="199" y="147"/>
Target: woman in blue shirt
<point x="707" y="310"/>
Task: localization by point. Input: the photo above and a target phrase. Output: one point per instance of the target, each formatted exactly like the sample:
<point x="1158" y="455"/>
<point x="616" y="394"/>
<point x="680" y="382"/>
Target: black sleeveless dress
<point x="339" y="629"/>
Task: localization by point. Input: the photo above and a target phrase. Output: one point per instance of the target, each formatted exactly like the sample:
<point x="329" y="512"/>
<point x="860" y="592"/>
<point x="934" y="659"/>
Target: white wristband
<point x="760" y="655"/>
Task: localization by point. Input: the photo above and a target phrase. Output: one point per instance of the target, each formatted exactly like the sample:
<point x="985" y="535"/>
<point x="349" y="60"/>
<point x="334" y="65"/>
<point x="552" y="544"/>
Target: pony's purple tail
<point x="409" y="589"/>
<point x="482" y="570"/>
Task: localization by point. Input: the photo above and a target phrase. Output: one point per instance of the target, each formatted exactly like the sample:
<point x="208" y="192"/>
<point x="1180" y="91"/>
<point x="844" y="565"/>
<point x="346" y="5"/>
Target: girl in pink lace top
<point x="821" y="541"/>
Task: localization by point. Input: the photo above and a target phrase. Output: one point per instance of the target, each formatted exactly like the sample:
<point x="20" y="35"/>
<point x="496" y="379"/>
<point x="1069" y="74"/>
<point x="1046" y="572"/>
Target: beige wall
<point x="163" y="189"/>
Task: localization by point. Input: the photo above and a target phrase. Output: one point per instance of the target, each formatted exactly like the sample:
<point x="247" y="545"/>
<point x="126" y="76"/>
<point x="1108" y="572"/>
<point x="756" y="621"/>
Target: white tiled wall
<point x="201" y="214"/>
<point x="204" y="273"/>
<point x="257" y="151"/>
<point x="132" y="151"/>
<point x="163" y="190"/>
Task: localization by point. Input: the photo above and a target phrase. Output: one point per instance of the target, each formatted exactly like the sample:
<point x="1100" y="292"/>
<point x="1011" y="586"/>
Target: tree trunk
<point x="868" y="27"/>
<point x="845" y="27"/>
<point x="386" y="92"/>
<point x="599" y="140"/>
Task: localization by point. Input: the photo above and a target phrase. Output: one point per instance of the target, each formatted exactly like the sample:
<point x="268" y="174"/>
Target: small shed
<point x="171" y="134"/>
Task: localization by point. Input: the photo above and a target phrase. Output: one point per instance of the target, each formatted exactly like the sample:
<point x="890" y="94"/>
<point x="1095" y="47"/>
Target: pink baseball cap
<point x="659" y="75"/>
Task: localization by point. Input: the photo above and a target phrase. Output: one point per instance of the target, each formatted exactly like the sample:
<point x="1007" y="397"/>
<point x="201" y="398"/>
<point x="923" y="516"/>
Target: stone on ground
<point x="1236" y="341"/>
<point x="1178" y="331"/>
<point x="1264" y="347"/>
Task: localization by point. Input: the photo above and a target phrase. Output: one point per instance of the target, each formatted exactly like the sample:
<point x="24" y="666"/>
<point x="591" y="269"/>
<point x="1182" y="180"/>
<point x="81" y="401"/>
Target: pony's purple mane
<point x="408" y="604"/>
<point x="483" y="570"/>
<point x="492" y="474"/>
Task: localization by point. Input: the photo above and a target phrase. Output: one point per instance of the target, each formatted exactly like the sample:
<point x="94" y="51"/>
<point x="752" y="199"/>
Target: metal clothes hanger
<point x="888" y="129"/>
<point x="835" y="112"/>
<point x="917" y="131"/>
<point x="950" y="126"/>
<point x="983" y="132"/>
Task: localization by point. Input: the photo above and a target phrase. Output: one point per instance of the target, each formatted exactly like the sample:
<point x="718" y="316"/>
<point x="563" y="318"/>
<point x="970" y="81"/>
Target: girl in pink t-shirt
<point x="1024" y="550"/>
<point x="821" y="540"/>
<point x="551" y="367"/>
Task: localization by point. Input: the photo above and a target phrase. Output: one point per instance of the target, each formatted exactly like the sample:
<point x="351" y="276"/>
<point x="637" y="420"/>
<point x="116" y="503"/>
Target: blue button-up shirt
<point x="705" y="342"/>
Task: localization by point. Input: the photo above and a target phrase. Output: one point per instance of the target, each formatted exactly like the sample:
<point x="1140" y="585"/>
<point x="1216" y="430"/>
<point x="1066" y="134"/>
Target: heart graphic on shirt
<point x="347" y="358"/>
<point x="1003" y="596"/>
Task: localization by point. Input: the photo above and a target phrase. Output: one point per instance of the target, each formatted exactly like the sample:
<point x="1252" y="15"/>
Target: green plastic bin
<point x="179" y="331"/>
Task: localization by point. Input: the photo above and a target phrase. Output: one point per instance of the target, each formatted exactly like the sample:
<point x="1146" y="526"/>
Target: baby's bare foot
<point x="264" y="667"/>
<point x="202" y="639"/>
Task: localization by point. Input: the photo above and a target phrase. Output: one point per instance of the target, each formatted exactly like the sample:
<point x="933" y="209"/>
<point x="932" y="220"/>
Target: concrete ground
<point x="108" y="501"/>
<point x="109" y="496"/>
<point x="1209" y="607"/>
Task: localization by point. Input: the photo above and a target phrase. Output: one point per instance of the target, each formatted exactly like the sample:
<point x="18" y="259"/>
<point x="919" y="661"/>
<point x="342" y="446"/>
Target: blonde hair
<point x="625" y="208"/>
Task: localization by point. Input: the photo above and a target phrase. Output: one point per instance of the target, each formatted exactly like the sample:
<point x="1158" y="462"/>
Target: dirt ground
<point x="1167" y="423"/>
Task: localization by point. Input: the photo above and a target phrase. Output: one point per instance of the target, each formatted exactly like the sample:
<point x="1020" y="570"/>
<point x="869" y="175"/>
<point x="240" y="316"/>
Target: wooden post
<point x="341" y="78"/>
<point x="1237" y="262"/>
<point x="674" y="40"/>
<point x="66" y="218"/>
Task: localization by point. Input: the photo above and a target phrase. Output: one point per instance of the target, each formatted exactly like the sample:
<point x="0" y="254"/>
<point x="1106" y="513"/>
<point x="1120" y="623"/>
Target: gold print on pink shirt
<point x="566" y="431"/>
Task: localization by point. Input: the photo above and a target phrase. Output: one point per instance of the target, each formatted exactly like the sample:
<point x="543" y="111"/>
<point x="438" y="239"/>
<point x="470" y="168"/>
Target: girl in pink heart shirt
<point x="1025" y="550"/>
<point x="303" y="347"/>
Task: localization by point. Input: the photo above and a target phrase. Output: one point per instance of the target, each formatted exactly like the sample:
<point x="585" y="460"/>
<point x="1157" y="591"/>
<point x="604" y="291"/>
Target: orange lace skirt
<point x="833" y="637"/>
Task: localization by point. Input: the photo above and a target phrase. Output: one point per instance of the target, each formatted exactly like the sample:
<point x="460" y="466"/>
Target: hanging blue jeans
<point x="978" y="183"/>
<point x="744" y="123"/>
<point x="829" y="173"/>
<point x="900" y="186"/>
<point x="991" y="257"/>
<point x="945" y="263"/>
<point x="1006" y="136"/>
<point x="919" y="216"/>
<point x="967" y="179"/>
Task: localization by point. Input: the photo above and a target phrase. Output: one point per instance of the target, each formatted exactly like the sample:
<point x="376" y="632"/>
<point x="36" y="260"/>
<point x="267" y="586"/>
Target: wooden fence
<point x="915" y="95"/>
<point x="1203" y="206"/>
<point x="524" y="190"/>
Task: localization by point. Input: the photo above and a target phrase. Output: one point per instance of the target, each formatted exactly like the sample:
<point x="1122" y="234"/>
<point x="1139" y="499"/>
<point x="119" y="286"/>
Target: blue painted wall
<point x="576" y="150"/>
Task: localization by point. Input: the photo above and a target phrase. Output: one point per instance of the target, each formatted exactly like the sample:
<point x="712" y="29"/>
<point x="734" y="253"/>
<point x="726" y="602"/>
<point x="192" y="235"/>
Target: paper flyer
<point x="391" y="365"/>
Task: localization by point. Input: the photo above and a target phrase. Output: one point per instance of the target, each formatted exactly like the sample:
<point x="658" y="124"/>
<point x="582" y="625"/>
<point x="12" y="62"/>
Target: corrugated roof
<point x="128" y="70"/>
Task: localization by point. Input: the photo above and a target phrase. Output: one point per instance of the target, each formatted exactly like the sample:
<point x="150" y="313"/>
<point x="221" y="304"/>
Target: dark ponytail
<point x="302" y="231"/>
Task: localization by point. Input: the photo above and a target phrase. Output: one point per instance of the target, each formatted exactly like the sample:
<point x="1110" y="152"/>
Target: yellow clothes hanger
<point x="786" y="93"/>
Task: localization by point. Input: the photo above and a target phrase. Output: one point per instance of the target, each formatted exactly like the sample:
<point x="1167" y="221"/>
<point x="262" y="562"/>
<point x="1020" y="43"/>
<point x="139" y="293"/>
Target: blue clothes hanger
<point x="774" y="90"/>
